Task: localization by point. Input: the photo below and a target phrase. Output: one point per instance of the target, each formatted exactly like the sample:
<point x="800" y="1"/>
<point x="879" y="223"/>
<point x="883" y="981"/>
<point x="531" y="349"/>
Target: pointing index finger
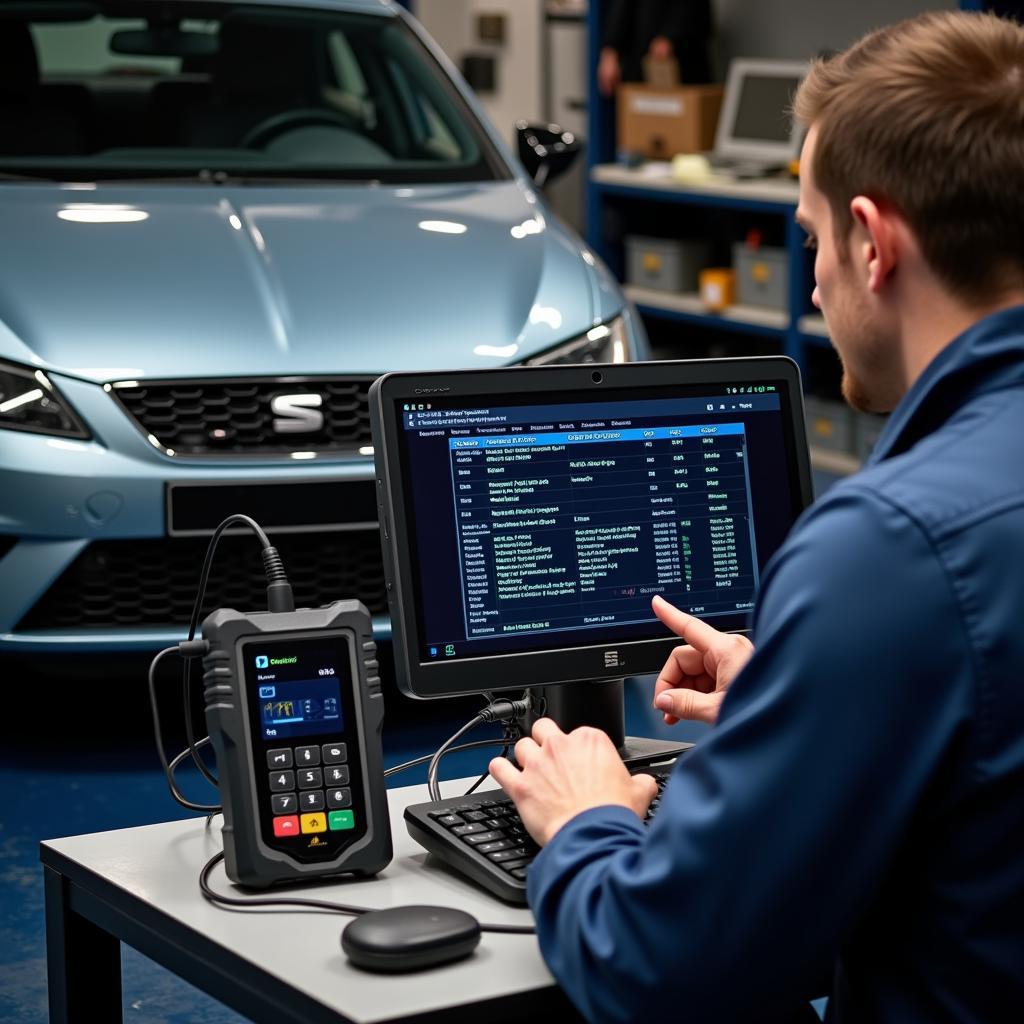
<point x="693" y="630"/>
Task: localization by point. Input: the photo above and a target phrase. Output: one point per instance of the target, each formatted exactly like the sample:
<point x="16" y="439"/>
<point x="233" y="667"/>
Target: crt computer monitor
<point x="528" y="515"/>
<point x="755" y="122"/>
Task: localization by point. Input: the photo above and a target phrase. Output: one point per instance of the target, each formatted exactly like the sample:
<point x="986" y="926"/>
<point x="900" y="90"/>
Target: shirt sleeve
<point x="777" y="832"/>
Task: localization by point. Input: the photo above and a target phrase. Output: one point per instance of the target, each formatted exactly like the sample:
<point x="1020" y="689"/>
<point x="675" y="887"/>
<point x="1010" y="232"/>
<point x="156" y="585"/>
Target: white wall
<point x="519" y="73"/>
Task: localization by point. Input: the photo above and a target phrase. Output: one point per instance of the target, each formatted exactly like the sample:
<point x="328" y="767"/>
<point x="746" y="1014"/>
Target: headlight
<point x="606" y="343"/>
<point x="28" y="401"/>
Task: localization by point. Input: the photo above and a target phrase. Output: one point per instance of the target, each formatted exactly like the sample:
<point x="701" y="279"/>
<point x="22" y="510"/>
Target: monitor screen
<point x="755" y="122"/>
<point x="762" y="112"/>
<point x="536" y="512"/>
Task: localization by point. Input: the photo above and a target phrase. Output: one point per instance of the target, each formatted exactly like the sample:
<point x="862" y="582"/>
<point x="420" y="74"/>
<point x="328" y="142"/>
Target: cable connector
<point x="503" y="709"/>
<point x="279" y="590"/>
<point x="193" y="648"/>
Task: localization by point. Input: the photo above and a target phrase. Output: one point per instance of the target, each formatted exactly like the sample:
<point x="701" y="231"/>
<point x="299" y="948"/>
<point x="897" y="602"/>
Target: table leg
<point x="83" y="962"/>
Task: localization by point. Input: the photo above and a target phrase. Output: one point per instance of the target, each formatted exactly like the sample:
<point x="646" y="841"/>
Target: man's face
<point x="867" y="348"/>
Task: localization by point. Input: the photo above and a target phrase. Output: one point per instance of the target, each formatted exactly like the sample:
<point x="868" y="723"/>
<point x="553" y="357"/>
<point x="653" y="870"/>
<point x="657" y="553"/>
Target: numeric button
<point x="312" y="800"/>
<point x="335" y="753"/>
<point x="284" y="803"/>
<point x="310" y="778"/>
<point x="279" y="759"/>
<point x="339" y="798"/>
<point x="280" y="781"/>
<point x="337" y="775"/>
<point x="307" y="757"/>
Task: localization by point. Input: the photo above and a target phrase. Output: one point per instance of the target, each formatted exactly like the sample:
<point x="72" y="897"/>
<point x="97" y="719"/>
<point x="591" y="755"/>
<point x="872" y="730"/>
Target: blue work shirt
<point x="854" y="823"/>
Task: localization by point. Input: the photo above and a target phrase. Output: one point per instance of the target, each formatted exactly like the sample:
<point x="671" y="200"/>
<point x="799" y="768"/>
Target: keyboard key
<point x="283" y="803"/>
<point x="448" y="820"/>
<point x="519" y="873"/>
<point x="339" y="798"/>
<point x="496" y="823"/>
<point x="474" y="815"/>
<point x="306" y="757"/>
<point x="510" y="853"/>
<point x="334" y="753"/>
<point x="467" y="830"/>
<point x="312" y="800"/>
<point x="512" y="865"/>
<point x="483" y="837"/>
<point x="492" y="847"/>
<point x="279" y="759"/>
<point x="313" y="823"/>
<point x="336" y="775"/>
<point x="311" y="778"/>
<point x="280" y="781"/>
<point x="284" y="827"/>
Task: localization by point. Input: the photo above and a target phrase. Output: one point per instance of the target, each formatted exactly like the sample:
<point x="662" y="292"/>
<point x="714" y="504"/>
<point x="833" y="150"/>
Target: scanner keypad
<point x="302" y="800"/>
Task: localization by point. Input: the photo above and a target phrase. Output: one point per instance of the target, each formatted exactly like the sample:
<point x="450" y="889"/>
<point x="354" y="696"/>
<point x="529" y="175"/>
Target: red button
<point x="287" y="826"/>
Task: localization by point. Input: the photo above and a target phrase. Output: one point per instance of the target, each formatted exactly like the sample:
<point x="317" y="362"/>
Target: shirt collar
<point x="988" y="356"/>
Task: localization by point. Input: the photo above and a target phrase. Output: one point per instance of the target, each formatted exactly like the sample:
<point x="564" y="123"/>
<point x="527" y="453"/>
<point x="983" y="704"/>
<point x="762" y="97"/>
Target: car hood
<point x="198" y="281"/>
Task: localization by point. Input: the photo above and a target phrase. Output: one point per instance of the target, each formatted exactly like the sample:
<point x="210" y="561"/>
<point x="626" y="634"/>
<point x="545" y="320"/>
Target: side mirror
<point x="546" y="150"/>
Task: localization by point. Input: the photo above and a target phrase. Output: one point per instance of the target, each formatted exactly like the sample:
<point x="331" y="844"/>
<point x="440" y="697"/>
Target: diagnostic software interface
<point x="536" y="524"/>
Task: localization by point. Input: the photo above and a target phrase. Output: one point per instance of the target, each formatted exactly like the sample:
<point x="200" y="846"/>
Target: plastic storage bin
<point x="762" y="276"/>
<point x="666" y="264"/>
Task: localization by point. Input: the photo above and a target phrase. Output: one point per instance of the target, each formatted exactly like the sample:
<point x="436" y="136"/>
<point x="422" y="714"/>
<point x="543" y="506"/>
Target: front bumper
<point x="86" y="563"/>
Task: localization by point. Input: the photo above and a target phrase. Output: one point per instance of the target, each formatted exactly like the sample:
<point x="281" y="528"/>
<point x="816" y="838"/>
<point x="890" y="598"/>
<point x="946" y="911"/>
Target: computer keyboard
<point x="483" y="838"/>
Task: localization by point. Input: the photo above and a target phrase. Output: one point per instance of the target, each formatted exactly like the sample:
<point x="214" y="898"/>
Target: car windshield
<point x="211" y="91"/>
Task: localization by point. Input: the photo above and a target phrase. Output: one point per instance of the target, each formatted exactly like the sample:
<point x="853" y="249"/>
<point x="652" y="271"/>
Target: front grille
<point x="120" y="583"/>
<point x="234" y="417"/>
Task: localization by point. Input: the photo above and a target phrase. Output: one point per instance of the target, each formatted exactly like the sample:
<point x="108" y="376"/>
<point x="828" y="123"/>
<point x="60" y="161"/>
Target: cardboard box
<point x="659" y="123"/>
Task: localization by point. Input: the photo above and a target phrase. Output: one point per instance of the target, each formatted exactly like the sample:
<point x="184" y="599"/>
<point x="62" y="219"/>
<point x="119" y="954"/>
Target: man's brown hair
<point x="928" y="115"/>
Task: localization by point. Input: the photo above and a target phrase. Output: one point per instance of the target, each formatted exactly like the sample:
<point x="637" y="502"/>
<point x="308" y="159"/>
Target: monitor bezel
<point x="519" y="670"/>
<point x="726" y="144"/>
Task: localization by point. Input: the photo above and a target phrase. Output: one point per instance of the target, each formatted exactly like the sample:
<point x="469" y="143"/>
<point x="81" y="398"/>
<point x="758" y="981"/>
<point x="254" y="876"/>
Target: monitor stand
<point x="599" y="703"/>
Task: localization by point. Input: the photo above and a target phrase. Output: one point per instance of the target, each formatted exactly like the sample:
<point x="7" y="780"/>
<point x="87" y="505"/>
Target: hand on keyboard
<point x="561" y="775"/>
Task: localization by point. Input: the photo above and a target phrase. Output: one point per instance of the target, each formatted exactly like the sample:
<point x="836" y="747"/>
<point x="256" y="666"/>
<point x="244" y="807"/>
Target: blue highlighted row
<point x="595" y="436"/>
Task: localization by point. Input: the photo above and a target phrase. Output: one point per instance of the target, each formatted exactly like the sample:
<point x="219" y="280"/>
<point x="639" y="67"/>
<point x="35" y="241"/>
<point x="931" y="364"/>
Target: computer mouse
<point x="409" y="938"/>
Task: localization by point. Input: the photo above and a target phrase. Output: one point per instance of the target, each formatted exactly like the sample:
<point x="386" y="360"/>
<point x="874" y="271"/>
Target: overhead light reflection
<point x="599" y="332"/>
<point x="530" y="226"/>
<point x="497" y="351"/>
<point x="303" y="455"/>
<point x="96" y="213"/>
<point x="443" y="227"/>
<point x="618" y="351"/>
<point x="546" y="315"/>
<point x="235" y="221"/>
<point x="366" y="449"/>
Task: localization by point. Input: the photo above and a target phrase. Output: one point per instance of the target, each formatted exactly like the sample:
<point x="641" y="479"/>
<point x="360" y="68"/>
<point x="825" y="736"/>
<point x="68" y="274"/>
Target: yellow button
<point x="313" y="823"/>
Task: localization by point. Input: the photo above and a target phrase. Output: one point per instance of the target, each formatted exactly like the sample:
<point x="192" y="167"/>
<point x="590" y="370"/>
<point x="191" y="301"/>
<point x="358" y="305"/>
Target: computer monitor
<point x="755" y="123"/>
<point x="529" y="515"/>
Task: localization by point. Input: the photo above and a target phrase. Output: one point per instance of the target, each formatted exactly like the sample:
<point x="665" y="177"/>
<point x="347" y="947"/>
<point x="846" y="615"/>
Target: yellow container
<point x="717" y="288"/>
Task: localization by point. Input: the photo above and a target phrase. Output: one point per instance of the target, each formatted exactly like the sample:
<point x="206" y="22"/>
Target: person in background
<point x="660" y="29"/>
<point x="853" y="823"/>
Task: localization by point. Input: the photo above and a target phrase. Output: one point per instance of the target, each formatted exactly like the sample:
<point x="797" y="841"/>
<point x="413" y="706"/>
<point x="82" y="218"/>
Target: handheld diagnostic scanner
<point x="295" y="710"/>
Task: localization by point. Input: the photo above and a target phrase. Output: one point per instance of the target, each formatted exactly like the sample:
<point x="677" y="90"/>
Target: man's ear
<point x="877" y="248"/>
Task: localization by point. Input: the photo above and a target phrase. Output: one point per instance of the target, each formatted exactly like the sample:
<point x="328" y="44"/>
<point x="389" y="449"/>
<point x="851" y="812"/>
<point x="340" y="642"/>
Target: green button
<point x="340" y="819"/>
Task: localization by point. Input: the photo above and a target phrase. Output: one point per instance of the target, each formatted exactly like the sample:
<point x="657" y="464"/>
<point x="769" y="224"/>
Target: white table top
<point x="159" y="864"/>
<point x="774" y="190"/>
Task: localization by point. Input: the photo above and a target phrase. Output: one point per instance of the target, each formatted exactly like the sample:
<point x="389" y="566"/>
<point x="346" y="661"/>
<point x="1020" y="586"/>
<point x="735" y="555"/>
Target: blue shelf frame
<point x="601" y="150"/>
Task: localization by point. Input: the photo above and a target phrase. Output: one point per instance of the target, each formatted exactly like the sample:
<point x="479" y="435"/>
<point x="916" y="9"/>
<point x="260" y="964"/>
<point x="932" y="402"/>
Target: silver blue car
<point x="218" y="223"/>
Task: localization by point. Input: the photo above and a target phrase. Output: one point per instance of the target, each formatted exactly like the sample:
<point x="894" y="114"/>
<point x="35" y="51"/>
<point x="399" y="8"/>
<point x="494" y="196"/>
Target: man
<point x="660" y="29"/>
<point x="854" y="822"/>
